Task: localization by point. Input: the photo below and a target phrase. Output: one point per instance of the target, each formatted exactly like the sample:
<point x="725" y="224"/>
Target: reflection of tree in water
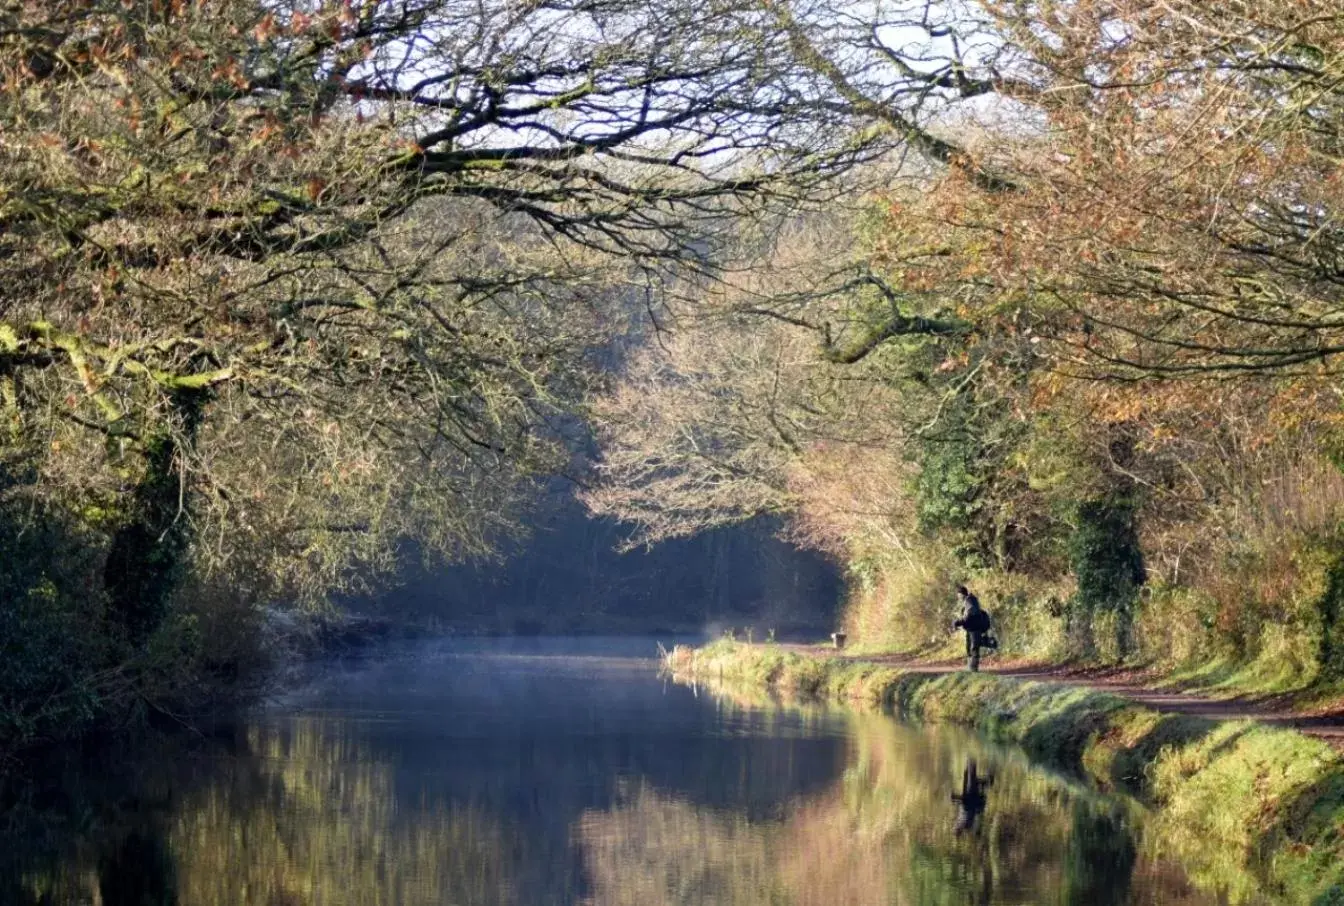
<point x="304" y="815"/>
<point x="482" y="814"/>
<point x="1099" y="866"/>
<point x="74" y="825"/>
<point x="883" y="835"/>
<point x="138" y="872"/>
<point x="135" y="869"/>
<point x="655" y="850"/>
<point x="307" y="813"/>
<point x="315" y="819"/>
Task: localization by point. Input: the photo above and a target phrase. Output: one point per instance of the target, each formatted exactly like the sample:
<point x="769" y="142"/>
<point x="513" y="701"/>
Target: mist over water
<point x="568" y="577"/>
<point x="567" y="771"/>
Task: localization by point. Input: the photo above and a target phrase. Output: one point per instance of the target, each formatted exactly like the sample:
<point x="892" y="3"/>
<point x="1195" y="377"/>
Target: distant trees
<point x="570" y="574"/>
<point x="710" y="423"/>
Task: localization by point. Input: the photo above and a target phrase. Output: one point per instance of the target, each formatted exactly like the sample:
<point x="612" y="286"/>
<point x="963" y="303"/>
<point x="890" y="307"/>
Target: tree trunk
<point x="144" y="562"/>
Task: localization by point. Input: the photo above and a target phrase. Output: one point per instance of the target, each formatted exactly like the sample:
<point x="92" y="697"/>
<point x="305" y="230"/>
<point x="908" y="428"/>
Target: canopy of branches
<point x="1102" y="298"/>
<point x="340" y="267"/>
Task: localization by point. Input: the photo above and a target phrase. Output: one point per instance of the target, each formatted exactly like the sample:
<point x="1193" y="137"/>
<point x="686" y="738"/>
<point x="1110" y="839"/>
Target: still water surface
<point x="567" y="771"/>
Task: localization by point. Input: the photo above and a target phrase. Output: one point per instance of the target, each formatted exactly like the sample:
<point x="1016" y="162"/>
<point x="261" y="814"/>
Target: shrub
<point x="1108" y="565"/>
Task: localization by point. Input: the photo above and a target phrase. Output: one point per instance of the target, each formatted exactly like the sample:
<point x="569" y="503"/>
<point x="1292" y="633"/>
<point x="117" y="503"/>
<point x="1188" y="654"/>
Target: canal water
<point x="557" y="772"/>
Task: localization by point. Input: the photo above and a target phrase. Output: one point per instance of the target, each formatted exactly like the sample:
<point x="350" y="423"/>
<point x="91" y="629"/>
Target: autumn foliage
<point x="1104" y="328"/>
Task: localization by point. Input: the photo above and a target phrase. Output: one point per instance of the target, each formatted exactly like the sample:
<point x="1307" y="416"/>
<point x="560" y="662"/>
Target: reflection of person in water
<point x="972" y="799"/>
<point x="138" y="872"/>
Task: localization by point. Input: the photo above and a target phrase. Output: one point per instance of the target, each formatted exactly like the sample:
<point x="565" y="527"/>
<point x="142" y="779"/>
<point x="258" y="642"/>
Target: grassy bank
<point x="1249" y="809"/>
<point x="1263" y="624"/>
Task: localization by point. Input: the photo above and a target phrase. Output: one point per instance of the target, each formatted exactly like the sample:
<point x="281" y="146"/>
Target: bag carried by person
<point x="978" y="622"/>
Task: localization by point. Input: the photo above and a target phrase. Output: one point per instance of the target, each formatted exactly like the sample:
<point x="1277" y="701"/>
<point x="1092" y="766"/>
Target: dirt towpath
<point x="1327" y="724"/>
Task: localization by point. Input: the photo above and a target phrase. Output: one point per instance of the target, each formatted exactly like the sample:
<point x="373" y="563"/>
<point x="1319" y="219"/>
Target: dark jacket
<point x="973" y="616"/>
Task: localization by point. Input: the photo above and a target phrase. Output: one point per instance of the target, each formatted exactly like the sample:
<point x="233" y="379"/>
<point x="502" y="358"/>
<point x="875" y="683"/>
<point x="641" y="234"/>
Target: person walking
<point x="975" y="621"/>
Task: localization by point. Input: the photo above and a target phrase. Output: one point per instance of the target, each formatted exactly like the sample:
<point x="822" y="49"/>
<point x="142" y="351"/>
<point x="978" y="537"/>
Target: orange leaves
<point x="266" y="28"/>
<point x="1138" y="208"/>
<point x="270" y="129"/>
<point x="1116" y="405"/>
<point x="170" y="8"/>
<point x="232" y="72"/>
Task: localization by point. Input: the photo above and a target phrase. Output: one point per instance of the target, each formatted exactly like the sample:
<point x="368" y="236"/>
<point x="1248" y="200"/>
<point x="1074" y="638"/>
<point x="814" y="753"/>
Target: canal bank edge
<point x="1250" y="809"/>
